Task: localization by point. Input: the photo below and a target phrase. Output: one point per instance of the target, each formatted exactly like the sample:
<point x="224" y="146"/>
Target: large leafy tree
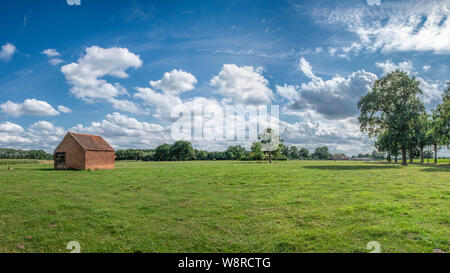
<point x="235" y="152"/>
<point x="321" y="153"/>
<point x="393" y="104"/>
<point x="304" y="153"/>
<point x="284" y="150"/>
<point x="294" y="153"/>
<point x="162" y="152"/>
<point x="257" y="153"/>
<point x="182" y="150"/>
<point x="201" y="155"/>
<point x="270" y="142"/>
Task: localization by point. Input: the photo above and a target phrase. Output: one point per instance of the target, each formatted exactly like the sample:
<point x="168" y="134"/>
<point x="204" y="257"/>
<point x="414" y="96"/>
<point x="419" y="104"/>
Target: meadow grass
<point x="431" y="160"/>
<point x="19" y="161"/>
<point x="226" y="206"/>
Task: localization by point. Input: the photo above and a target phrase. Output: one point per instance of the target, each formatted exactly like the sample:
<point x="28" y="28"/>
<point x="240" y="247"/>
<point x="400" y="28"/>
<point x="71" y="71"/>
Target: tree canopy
<point x="270" y="142"/>
<point x="391" y="109"/>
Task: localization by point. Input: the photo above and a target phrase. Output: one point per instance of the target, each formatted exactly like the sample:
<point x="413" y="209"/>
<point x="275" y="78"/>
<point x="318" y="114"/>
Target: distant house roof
<point x="339" y="157"/>
<point x="92" y="142"/>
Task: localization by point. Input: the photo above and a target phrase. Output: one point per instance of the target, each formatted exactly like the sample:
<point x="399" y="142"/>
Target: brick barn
<point x="83" y="152"/>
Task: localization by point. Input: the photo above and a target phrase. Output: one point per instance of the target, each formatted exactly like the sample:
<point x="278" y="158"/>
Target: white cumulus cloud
<point x="306" y="68"/>
<point x="123" y="131"/>
<point x="32" y="107"/>
<point x="175" y="82"/>
<point x="127" y="106"/>
<point x="313" y="130"/>
<point x="50" y="52"/>
<point x="288" y="92"/>
<point x="55" y="61"/>
<point x="171" y="84"/>
<point x="84" y="75"/>
<point x="243" y="85"/>
<point x="40" y="135"/>
<point x="7" y="51"/>
<point x="432" y="92"/>
<point x="9" y="127"/>
<point x="397" y="26"/>
<point x="390" y="66"/>
<point x="64" y="109"/>
<point x="45" y="135"/>
<point x="162" y="103"/>
<point x="336" y="98"/>
<point x="74" y="2"/>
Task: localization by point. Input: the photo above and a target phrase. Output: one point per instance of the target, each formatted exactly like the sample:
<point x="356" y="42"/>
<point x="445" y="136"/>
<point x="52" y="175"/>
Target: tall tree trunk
<point x="421" y="155"/>
<point x="389" y="158"/>
<point x="435" y="153"/>
<point x="411" y="156"/>
<point x="404" y="161"/>
<point x="270" y="157"/>
<point x="396" y="159"/>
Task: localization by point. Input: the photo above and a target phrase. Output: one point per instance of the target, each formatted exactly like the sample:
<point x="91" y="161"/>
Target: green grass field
<point x="294" y="206"/>
<point x="440" y="160"/>
<point x="19" y="161"/>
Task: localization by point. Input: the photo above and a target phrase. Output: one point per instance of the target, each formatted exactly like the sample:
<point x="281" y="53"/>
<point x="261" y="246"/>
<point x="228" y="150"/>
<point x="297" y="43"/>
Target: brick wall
<point x="99" y="160"/>
<point x="74" y="153"/>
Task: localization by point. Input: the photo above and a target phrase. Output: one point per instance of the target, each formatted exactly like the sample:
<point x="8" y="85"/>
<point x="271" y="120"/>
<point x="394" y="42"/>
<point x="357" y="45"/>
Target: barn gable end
<point x="72" y="152"/>
<point x="84" y="152"/>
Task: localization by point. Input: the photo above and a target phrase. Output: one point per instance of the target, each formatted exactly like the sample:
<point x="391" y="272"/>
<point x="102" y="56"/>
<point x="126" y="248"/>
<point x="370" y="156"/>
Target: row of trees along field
<point x="183" y="150"/>
<point x="393" y="114"/>
<point x="24" y="154"/>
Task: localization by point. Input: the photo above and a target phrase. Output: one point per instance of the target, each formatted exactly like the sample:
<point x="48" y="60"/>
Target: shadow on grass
<point x="52" y="169"/>
<point x="351" y="168"/>
<point x="436" y="168"/>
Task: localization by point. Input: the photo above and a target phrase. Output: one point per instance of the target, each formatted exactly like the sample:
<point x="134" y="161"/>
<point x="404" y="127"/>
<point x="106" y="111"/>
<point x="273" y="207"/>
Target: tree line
<point x="393" y="114"/>
<point x="183" y="150"/>
<point x="6" y="153"/>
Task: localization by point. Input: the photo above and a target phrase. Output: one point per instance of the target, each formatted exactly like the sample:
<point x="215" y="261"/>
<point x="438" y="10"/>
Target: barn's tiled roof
<point x="92" y="142"/>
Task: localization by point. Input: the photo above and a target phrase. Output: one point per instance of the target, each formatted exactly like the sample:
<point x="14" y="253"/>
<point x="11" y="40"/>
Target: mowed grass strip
<point x="224" y="206"/>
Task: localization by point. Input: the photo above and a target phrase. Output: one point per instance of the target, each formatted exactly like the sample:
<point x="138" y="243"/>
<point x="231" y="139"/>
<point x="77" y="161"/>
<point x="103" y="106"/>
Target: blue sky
<point x="117" y="68"/>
